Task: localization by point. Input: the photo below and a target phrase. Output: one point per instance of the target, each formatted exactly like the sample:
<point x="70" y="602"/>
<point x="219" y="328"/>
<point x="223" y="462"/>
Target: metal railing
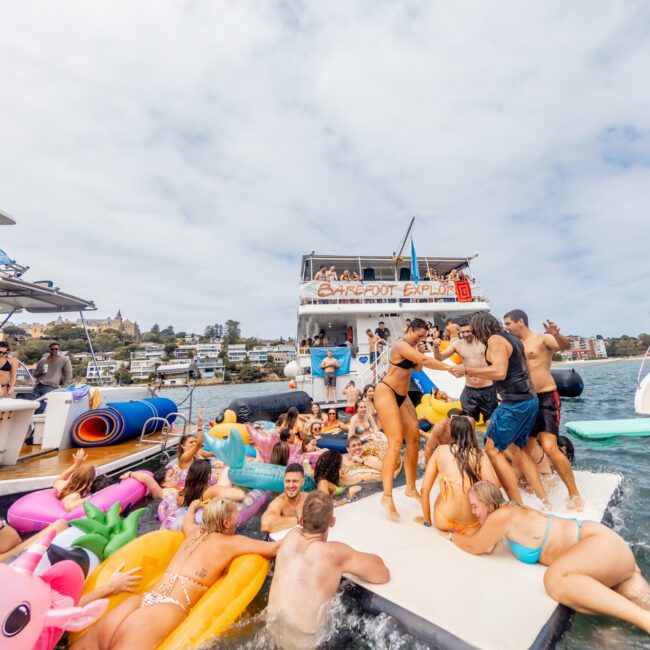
<point x="165" y="431"/>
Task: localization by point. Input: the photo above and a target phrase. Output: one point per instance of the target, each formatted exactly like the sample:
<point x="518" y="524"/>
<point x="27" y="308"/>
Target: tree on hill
<point x="32" y="350"/>
<point x="232" y="331"/>
<point x="123" y="377"/>
<point x="168" y="332"/>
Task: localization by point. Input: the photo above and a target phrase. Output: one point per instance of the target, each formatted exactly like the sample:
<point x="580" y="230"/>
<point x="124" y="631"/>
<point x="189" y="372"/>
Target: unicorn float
<point x="37" y="609"/>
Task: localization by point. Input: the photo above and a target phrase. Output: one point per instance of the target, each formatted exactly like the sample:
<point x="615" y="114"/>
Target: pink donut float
<point x="36" y="510"/>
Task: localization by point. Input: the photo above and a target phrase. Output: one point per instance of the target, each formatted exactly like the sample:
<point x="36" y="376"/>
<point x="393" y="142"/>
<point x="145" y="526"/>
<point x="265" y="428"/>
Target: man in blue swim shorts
<point x="512" y="421"/>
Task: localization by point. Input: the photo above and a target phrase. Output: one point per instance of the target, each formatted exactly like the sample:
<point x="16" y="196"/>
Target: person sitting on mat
<point x="145" y="620"/>
<point x="327" y="476"/>
<point x="458" y="466"/>
<point x="333" y="424"/>
<point x="591" y="569"/>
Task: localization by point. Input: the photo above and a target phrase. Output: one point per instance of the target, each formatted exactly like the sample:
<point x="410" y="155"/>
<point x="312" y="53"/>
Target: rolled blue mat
<point x="120" y="421"/>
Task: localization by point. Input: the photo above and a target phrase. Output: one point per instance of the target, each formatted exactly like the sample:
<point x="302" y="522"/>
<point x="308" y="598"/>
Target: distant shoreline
<point x="591" y="362"/>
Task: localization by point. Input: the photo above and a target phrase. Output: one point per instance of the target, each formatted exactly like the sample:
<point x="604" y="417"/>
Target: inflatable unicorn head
<point x="35" y="610"/>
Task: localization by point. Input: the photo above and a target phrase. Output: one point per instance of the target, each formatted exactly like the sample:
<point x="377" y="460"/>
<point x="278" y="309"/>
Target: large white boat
<point x="342" y="311"/>
<point x="30" y="466"/>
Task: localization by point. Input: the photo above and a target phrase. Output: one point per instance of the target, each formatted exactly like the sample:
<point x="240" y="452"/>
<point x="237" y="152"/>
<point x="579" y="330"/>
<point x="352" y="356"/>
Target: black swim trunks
<point x="548" y="416"/>
<point x="479" y="401"/>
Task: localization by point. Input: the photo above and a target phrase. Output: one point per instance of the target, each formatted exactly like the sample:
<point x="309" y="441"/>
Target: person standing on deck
<point x="397" y="413"/>
<point x="8" y="370"/>
<point x="330" y="366"/>
<point x="512" y="421"/>
<point x="479" y="397"/>
<point x="52" y="371"/>
<point x="539" y="355"/>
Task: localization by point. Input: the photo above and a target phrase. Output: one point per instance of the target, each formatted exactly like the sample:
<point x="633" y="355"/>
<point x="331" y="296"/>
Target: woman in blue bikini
<point x="591" y="569"/>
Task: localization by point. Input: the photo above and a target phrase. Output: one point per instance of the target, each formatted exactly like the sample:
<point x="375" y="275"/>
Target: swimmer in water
<point x="308" y="570"/>
<point x="591" y="569"/>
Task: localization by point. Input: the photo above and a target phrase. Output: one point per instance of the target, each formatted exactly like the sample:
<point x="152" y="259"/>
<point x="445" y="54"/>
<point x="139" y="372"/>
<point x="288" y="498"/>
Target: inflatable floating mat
<point x="601" y="429"/>
<point x="335" y="441"/>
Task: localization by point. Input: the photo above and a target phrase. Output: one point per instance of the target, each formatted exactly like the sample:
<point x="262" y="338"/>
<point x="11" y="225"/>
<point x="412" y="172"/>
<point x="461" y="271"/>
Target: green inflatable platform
<point x="600" y="429"/>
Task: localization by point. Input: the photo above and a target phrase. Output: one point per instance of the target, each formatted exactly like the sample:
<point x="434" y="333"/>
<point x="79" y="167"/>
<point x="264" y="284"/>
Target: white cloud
<point x="176" y="159"/>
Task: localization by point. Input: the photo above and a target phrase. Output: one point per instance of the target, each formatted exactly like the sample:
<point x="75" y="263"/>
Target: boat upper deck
<point x="348" y="284"/>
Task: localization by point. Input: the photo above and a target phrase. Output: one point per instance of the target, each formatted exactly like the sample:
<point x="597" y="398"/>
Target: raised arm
<point x="273" y="520"/>
<point x="554" y="339"/>
<point x="188" y="455"/>
<point x="79" y="457"/>
<point x="449" y="350"/>
<point x="189" y="524"/>
<point x="367" y="566"/>
<point x="494" y="528"/>
<point x="430" y="475"/>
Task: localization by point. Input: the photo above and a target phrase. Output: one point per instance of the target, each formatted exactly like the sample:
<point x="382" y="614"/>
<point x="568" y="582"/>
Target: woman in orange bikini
<point x="457" y="466"/>
<point x="397" y="413"/>
<point x="144" y="621"/>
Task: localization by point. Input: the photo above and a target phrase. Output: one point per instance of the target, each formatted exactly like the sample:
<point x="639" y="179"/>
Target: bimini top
<point x="383" y="267"/>
<point x="36" y="297"/>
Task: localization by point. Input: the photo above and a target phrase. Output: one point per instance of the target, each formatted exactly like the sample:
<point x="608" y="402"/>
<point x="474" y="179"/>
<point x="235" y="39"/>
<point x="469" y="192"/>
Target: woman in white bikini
<point x="144" y="621"/>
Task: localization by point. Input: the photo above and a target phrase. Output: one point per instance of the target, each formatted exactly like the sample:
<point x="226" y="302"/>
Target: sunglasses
<point x="54" y="349"/>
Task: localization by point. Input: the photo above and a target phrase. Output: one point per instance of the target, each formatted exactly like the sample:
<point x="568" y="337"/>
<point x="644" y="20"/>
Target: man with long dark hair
<point x="512" y="421"/>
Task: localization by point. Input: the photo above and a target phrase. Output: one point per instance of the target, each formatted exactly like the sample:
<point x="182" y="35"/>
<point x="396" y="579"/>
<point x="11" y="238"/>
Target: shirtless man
<point x="308" y="571"/>
<point x="331" y="274"/>
<point x="452" y="330"/>
<point x="539" y="354"/>
<point x="440" y="434"/>
<point x="352" y="396"/>
<point x="321" y="275"/>
<point x="479" y="397"/>
<point x="375" y="345"/>
<point x="285" y="510"/>
<point x="512" y="420"/>
<point x="145" y="620"/>
<point x="329" y="366"/>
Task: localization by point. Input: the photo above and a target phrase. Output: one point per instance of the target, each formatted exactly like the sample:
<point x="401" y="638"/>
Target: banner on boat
<point x="315" y="290"/>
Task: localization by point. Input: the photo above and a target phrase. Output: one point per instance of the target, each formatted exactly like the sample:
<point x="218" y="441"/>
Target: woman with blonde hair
<point x="144" y="621"/>
<point x="591" y="569"/>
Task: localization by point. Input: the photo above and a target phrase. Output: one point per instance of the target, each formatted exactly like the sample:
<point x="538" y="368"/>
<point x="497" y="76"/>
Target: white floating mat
<point x="449" y="597"/>
<point x="602" y="429"/>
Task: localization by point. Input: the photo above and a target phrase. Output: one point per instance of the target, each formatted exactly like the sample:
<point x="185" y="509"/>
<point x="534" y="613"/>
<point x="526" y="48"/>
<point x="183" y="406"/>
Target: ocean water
<point x="609" y="393"/>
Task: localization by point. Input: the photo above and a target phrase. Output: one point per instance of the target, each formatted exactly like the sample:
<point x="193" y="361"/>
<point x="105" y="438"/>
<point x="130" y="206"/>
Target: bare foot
<point x="576" y="503"/>
<point x="412" y="492"/>
<point x="389" y="507"/>
<point x="353" y="491"/>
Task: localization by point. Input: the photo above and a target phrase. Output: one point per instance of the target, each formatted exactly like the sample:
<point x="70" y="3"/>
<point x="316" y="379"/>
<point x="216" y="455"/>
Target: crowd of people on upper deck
<point x="325" y="274"/>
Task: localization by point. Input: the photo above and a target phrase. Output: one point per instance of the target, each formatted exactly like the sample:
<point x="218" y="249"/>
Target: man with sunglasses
<point x="52" y="371"/>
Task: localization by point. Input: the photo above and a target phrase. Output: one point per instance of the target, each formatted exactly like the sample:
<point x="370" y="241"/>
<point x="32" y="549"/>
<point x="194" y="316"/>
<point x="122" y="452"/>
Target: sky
<point x="175" y="160"/>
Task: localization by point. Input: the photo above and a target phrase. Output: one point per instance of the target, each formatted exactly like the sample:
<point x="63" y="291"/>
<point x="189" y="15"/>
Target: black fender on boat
<point x="268" y="407"/>
<point x="569" y="383"/>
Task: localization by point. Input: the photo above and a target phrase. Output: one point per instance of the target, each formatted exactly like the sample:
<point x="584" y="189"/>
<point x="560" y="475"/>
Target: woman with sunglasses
<point x="333" y="424"/>
<point x="8" y="370"/>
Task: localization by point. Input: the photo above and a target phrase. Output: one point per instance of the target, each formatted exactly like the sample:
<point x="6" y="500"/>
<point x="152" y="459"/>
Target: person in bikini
<point x="8" y="370"/>
<point x="333" y="424"/>
<point x="440" y="434"/>
<point x="591" y="569"/>
<point x="540" y="348"/>
<point x="363" y="424"/>
<point x="479" y="396"/>
<point x="285" y="510"/>
<point x="330" y="366"/>
<point x="512" y="421"/>
<point x="458" y="466"/>
<point x="397" y="413"/>
<point x="307" y="574"/>
<point x="144" y="621"/>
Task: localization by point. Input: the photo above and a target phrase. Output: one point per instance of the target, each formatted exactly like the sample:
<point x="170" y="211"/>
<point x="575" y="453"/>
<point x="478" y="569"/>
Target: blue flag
<point x="415" y="273"/>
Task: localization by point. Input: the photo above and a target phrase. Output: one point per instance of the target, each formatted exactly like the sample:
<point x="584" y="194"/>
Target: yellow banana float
<point x="217" y="609"/>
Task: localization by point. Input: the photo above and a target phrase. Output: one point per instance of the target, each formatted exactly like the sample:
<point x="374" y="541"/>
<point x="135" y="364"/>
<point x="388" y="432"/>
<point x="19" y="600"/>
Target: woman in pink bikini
<point x="144" y="621"/>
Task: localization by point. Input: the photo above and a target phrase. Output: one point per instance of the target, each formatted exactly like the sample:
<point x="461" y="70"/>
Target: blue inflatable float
<point x="120" y="421"/>
<point x="257" y="476"/>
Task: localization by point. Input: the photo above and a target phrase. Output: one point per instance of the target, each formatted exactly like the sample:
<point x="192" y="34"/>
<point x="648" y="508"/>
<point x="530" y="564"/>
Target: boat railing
<point x="165" y="431"/>
<point x="377" y="369"/>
